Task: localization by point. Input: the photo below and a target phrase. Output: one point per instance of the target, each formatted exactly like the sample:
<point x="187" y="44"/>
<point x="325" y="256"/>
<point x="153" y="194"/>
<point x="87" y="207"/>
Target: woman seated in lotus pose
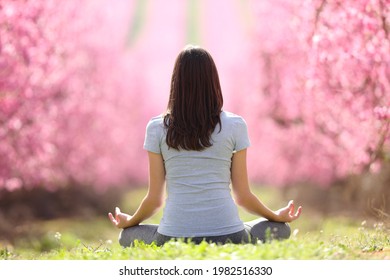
<point x="197" y="150"/>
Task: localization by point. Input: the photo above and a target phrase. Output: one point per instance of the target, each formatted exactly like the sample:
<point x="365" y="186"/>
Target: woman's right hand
<point x="120" y="220"/>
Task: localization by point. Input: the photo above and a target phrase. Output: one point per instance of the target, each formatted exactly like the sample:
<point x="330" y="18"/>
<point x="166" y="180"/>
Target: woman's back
<point x="199" y="202"/>
<point x="196" y="150"/>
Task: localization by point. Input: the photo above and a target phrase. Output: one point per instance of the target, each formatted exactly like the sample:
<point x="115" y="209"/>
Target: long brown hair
<point x="195" y="101"/>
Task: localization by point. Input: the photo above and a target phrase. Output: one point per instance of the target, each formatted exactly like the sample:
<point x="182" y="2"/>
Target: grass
<point x="314" y="237"/>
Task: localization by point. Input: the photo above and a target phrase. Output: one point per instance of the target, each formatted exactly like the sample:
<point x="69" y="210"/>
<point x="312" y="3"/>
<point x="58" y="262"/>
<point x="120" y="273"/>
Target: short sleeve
<point x="152" y="136"/>
<point x="241" y="136"/>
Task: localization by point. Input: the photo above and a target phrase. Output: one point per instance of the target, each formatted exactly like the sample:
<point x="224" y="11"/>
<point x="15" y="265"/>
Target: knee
<point x="266" y="231"/>
<point x="278" y="231"/>
<point x="123" y="239"/>
<point x="284" y="231"/>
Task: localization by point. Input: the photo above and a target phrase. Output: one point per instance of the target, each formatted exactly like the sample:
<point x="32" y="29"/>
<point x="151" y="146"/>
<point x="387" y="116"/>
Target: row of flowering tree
<point x="321" y="110"/>
<point x="75" y="96"/>
<point x="67" y="113"/>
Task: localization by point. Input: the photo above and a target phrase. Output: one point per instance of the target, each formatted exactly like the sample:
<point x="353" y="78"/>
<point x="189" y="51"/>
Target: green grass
<point x="314" y="237"/>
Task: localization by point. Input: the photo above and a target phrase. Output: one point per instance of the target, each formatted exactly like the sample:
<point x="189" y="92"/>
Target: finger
<point x="291" y="207"/>
<point x="112" y="219"/>
<point x="117" y="211"/>
<point x="299" y="211"/>
<point x="297" y="214"/>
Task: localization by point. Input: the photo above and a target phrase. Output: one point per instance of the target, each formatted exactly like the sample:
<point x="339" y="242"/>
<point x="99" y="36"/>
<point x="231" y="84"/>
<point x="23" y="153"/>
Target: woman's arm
<point x="153" y="199"/>
<point x="246" y="199"/>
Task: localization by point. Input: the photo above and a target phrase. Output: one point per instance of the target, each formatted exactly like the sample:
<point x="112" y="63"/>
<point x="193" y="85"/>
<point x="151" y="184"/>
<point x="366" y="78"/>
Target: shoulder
<point x="238" y="128"/>
<point x="231" y="118"/>
<point x="155" y="123"/>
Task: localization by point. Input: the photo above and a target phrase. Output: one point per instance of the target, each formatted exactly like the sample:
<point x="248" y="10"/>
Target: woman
<point x="198" y="149"/>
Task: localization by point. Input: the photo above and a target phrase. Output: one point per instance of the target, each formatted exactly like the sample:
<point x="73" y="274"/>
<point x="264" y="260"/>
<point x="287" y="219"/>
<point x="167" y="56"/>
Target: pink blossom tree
<point x="75" y="97"/>
<point x="68" y="95"/>
<point x="323" y="94"/>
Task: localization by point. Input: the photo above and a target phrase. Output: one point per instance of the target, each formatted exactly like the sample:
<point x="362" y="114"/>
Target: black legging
<point x="256" y="230"/>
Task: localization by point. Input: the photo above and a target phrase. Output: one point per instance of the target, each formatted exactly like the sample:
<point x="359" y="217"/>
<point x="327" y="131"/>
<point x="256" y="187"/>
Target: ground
<point x="91" y="236"/>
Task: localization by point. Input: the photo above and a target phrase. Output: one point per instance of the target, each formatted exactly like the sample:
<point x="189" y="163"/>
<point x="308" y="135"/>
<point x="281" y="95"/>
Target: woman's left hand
<point x="120" y="220"/>
<point x="287" y="214"/>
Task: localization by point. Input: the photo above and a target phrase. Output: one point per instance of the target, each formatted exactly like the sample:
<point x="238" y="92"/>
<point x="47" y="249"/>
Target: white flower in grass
<point x="57" y="236"/>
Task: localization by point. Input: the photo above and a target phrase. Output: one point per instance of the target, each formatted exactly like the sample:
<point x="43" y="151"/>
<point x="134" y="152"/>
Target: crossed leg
<point x="256" y="230"/>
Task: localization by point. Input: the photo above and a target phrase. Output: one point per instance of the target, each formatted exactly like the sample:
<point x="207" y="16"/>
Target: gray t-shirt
<point x="199" y="202"/>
